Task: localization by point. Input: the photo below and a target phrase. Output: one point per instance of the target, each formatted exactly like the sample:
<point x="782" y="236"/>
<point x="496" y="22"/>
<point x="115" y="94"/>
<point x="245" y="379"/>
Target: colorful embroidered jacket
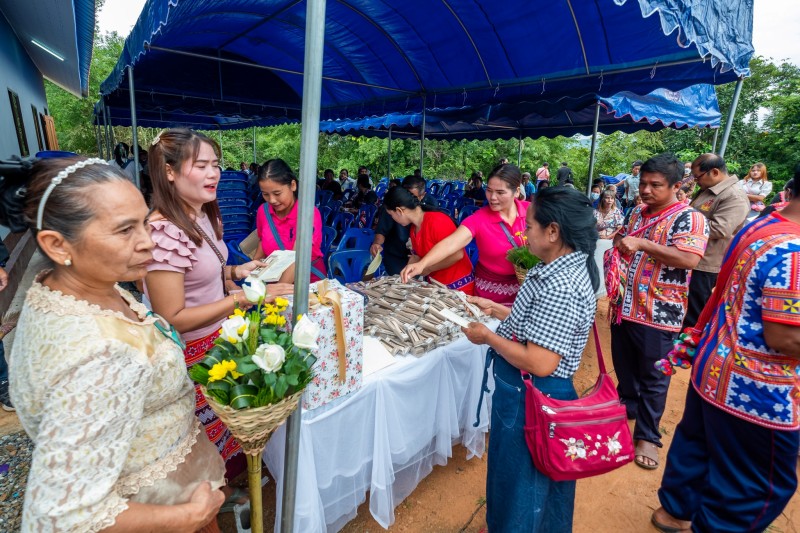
<point x="655" y="294"/>
<point x="734" y="368"/>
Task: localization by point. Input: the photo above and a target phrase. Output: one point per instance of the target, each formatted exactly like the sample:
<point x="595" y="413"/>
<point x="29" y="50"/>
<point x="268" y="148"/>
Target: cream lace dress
<point x="110" y="409"/>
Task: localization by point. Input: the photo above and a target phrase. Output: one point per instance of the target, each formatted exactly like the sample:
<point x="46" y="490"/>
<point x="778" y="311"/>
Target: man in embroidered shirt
<point x="725" y="206"/>
<point x="656" y="277"/>
<point x="731" y="465"/>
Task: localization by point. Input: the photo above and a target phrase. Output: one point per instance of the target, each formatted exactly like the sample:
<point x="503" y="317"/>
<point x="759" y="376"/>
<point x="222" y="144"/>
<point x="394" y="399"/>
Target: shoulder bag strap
<point x="600" y="362"/>
<point x="317" y="272"/>
<point x="217" y="252"/>
<point x="511" y="240"/>
<point x="671" y="211"/>
<point x="273" y="228"/>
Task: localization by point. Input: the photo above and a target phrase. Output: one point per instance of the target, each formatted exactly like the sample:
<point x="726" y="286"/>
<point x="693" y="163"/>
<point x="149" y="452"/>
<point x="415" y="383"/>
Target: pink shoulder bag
<point x="574" y="439"/>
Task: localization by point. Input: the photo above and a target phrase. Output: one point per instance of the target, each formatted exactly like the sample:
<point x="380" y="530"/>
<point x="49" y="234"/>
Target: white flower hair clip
<point x="61" y="176"/>
<point x="157" y="138"/>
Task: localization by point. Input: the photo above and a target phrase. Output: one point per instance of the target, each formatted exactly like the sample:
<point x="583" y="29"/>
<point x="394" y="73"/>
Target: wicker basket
<point x="521" y="274"/>
<point x="253" y="427"/>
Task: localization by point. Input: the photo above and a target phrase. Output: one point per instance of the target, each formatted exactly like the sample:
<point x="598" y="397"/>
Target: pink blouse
<point x="202" y="280"/>
<point x="287" y="231"/>
<point x="491" y="240"/>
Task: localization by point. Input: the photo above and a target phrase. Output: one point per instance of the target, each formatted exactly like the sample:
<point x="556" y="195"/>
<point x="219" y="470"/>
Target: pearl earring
<point x="68" y="262"/>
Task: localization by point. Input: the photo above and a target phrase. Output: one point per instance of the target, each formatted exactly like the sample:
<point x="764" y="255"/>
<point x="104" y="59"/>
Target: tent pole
<point x="134" y="131"/>
<point x="309" y="148"/>
<point x="97" y="136"/>
<point x="519" y="151"/>
<point x="389" y="156"/>
<point x="422" y="140"/>
<point x="714" y="141"/>
<point x="221" y="153"/>
<point x="105" y="129"/>
<point x="729" y="123"/>
<point x="255" y="159"/>
<point x="594" y="147"/>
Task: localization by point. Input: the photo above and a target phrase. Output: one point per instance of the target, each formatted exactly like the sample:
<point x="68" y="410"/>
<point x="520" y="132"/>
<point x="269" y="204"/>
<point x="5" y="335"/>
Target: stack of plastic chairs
<point x="323" y="198"/>
<point x="381" y="189"/>
<point x="341" y="222"/>
<point x="447" y="188"/>
<point x="235" y="206"/>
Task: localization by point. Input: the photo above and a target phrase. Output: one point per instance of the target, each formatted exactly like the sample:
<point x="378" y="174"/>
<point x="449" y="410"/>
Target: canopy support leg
<point x="593" y="150"/>
<point x="134" y="130"/>
<point x="729" y="123"/>
<point x="519" y="151"/>
<point x="389" y="156"/>
<point x="97" y="137"/>
<point x="106" y="130"/>
<point x="309" y="148"/>
<point x="714" y="140"/>
<point x="422" y="139"/>
<point x="255" y="159"/>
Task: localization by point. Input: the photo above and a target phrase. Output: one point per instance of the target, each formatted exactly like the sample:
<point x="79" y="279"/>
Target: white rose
<point x="305" y="333"/>
<point x="254" y="289"/>
<point x="269" y="357"/>
<point x="235" y="329"/>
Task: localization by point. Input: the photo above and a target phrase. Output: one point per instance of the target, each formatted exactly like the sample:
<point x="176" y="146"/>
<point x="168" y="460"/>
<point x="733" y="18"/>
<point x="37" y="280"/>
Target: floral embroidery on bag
<point x="577" y="448"/>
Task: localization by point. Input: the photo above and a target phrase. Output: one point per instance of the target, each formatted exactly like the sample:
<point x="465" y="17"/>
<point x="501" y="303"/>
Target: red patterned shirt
<point x="655" y="294"/>
<point x="734" y="368"/>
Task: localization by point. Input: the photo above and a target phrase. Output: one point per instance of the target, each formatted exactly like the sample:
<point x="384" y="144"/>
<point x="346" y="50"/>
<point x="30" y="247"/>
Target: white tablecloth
<point x="384" y="438"/>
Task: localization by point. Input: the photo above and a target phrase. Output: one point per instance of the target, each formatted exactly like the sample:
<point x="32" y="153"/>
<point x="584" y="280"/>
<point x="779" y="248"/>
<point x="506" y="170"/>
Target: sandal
<point x="238" y="497"/>
<point x="658" y="522"/>
<point x="646" y="450"/>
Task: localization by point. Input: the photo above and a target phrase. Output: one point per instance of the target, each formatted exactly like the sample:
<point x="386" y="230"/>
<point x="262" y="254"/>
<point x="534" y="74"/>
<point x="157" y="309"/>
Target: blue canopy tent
<point x="356" y="58"/>
<point x="381" y="58"/>
<point x="693" y="107"/>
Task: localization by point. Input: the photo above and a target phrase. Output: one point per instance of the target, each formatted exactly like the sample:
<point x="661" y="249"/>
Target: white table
<point x="384" y="438"/>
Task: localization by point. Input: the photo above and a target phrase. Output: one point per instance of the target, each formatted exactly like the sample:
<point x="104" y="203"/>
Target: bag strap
<point x="314" y="270"/>
<point x="601" y="364"/>
<point x="217" y="252"/>
<point x="511" y="240"/>
<point x="668" y="212"/>
<point x="273" y="228"/>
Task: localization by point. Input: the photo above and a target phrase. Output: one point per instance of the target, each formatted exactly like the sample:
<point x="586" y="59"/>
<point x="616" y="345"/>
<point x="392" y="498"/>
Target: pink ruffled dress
<point x="175" y="252"/>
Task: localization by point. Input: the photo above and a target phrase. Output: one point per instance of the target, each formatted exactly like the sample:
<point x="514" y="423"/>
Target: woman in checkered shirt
<point x="543" y="334"/>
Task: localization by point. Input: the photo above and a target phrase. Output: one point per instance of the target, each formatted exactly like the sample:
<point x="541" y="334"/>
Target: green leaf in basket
<point x="220" y="391"/>
<point x="268" y="335"/>
<point x="245" y="364"/>
<point x="281" y="386"/>
<point x="243" y="396"/>
<point x="199" y="374"/>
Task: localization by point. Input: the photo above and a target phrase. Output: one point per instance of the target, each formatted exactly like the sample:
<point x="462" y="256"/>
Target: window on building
<point x="19" y="126"/>
<point x="43" y="123"/>
<point x="38" y="128"/>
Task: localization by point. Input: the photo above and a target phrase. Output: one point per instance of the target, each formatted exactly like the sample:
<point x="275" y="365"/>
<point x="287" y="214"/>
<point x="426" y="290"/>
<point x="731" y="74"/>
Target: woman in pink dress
<point x="496" y="228"/>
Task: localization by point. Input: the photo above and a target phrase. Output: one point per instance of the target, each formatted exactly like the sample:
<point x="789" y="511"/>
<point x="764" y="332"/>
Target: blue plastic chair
<point x="341" y="222"/>
<point x="472" y="252"/>
<point x="462" y="202"/>
<point x="366" y="216"/>
<point x="325" y="213"/>
<point x="328" y="235"/>
<point x="434" y="189"/>
<point x="447" y="188"/>
<point x="356" y="239"/>
<point x="348" y="266"/>
<point x="235" y="254"/>
<point x="466" y="211"/>
<point x="348" y="195"/>
<point x="335" y="205"/>
<point x="381" y="189"/>
<point x="443" y="204"/>
<point x="323" y="198"/>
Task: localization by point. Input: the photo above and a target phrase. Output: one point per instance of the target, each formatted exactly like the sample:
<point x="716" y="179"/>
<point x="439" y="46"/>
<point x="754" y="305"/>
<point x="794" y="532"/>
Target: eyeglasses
<point x="701" y="175"/>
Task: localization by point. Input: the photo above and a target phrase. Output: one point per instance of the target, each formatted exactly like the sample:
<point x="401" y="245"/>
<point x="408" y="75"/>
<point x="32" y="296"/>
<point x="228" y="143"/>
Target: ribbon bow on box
<point x="328" y="297"/>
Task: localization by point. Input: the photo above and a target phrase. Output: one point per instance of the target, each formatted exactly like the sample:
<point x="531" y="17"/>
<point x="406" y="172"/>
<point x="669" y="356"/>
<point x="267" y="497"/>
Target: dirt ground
<point x="451" y="498"/>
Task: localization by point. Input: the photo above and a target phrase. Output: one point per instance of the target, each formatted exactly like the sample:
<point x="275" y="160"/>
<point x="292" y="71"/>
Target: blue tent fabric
<point x="395" y="57"/>
<point x="84" y="25"/>
<point x="694" y="106"/>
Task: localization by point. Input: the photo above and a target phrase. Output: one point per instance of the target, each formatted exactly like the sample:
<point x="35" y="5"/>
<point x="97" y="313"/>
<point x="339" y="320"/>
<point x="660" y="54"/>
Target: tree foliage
<point x="766" y="128"/>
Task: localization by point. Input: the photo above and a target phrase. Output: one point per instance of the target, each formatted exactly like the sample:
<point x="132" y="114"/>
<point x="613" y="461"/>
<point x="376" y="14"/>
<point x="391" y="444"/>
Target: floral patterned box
<point x="325" y="386"/>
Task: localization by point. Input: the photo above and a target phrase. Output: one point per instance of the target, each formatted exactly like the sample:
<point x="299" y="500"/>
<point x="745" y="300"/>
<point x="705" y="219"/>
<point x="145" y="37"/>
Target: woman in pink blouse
<point x="496" y="228"/>
<point x="185" y="283"/>
<point x="276" y="219"/>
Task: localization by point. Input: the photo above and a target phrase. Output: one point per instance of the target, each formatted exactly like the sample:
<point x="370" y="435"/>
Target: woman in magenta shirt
<point x="496" y="227"/>
<point x="276" y="220"/>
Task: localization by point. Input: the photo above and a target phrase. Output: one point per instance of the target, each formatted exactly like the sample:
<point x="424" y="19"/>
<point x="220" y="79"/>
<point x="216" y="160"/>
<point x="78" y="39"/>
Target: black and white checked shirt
<point x="554" y="309"/>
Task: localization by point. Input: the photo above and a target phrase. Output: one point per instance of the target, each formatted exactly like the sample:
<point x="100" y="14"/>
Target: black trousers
<point x="700" y="288"/>
<point x="635" y="348"/>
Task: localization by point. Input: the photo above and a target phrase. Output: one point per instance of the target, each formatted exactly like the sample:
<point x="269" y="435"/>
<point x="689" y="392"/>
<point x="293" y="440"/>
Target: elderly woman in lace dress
<point x="99" y="383"/>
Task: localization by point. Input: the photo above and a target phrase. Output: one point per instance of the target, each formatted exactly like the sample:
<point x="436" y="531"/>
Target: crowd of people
<point x="125" y="441"/>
